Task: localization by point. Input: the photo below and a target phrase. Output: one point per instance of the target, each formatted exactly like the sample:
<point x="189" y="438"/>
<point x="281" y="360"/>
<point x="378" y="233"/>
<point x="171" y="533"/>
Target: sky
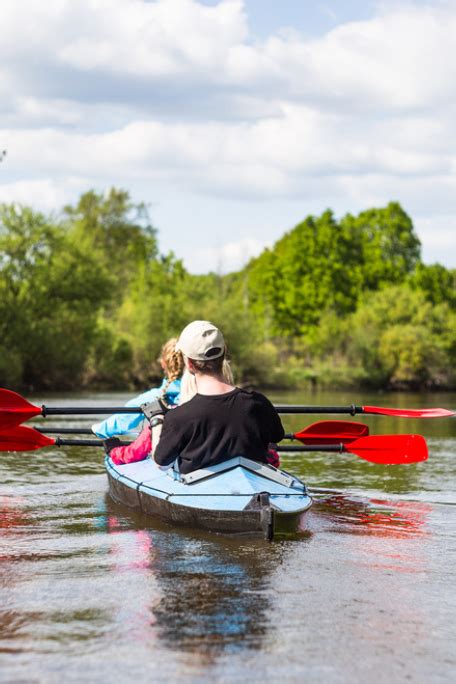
<point x="233" y="119"/>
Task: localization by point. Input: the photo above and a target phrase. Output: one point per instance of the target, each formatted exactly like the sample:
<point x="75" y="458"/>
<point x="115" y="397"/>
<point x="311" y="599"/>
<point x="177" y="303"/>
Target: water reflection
<point x="210" y="593"/>
<point x="12" y="514"/>
<point x="346" y="471"/>
<point x="383" y="535"/>
<point x="379" y="517"/>
<point x="363" y="580"/>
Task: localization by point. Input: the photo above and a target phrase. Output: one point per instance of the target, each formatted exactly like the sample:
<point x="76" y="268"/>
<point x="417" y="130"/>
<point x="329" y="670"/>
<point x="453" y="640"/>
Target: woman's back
<point x="213" y="428"/>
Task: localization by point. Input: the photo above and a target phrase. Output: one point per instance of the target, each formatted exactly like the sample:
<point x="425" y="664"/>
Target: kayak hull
<point x="238" y="497"/>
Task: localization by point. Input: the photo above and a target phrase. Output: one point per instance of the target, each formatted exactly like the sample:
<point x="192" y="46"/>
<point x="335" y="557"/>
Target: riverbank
<point x="305" y="381"/>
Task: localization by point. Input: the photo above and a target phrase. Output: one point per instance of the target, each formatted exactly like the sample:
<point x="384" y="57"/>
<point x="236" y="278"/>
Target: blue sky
<point x="310" y="17"/>
<point x="233" y="119"/>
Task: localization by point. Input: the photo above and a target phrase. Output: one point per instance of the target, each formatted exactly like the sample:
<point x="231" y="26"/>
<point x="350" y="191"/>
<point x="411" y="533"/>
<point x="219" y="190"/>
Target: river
<point x="92" y="592"/>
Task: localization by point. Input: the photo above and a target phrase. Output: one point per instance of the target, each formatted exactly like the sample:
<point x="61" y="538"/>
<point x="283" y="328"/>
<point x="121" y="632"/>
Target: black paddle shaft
<point x="282" y="408"/>
<point x="290" y="408"/>
<point x="78" y="442"/>
<point x="335" y="448"/>
<point x="83" y="442"/>
<point x="87" y="410"/>
<point x="64" y="431"/>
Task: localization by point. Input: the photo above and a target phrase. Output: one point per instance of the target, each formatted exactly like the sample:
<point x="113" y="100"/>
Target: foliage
<point x="49" y="292"/>
<point x="390" y="248"/>
<point x="313" y="268"/>
<point x="436" y="282"/>
<point x="86" y="298"/>
<point x="323" y="265"/>
<point x="402" y="340"/>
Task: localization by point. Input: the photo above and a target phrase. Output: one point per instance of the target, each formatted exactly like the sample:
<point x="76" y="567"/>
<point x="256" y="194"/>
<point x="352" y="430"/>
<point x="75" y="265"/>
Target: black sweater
<point x="210" y="429"/>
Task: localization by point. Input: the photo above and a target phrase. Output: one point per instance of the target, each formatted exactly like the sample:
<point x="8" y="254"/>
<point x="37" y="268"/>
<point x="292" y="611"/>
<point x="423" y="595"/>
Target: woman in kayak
<point x="221" y="421"/>
<point x="144" y="445"/>
<point x="169" y="392"/>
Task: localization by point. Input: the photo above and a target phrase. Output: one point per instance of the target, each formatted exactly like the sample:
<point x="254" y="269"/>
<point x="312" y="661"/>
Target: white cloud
<point x="231" y="256"/>
<point x="45" y="194"/>
<point x="275" y="155"/>
<point x="132" y="37"/>
<point x="127" y="92"/>
<point x="399" y="60"/>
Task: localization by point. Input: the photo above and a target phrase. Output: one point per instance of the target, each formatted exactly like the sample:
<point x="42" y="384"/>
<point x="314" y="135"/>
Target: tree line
<point x="87" y="299"/>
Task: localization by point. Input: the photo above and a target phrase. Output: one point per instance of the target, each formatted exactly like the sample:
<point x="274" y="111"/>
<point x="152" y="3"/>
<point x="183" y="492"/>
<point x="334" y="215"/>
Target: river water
<point x="92" y="592"/>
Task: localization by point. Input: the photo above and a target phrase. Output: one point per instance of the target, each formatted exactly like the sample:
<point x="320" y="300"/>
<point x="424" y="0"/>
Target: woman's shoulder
<point x="253" y="395"/>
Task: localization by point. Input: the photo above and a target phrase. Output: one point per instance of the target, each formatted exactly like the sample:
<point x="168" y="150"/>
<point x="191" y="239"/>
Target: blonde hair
<point x="173" y="362"/>
<point x="227" y="372"/>
<point x="188" y="385"/>
<point x="218" y="365"/>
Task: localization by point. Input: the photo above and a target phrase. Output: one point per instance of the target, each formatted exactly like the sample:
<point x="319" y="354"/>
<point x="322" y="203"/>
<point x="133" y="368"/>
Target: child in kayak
<point x="221" y="421"/>
<point x="169" y="392"/>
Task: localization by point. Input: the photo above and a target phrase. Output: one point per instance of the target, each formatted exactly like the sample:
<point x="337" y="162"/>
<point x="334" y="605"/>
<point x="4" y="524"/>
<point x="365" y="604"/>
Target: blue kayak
<point x="239" y="496"/>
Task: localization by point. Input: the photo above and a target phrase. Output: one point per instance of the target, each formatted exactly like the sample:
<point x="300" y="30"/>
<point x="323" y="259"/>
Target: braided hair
<point x="174" y="365"/>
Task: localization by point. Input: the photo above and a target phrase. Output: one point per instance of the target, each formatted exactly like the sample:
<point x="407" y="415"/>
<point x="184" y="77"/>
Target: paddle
<point x="21" y="438"/>
<point x="386" y="449"/>
<point x="330" y="432"/>
<point x="15" y="410"/>
<point x="322" y="432"/>
<point x="368" y="410"/>
<point x="383" y="449"/>
<point x="64" y="431"/>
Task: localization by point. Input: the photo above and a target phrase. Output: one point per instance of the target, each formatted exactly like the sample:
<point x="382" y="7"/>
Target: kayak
<point x="239" y="496"/>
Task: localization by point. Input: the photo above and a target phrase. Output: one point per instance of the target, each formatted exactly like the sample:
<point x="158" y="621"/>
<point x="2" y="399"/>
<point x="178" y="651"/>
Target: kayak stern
<point x="210" y="500"/>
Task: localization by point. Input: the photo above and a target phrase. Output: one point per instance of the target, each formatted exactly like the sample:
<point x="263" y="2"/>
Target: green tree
<point x="437" y="282"/>
<point x="115" y="231"/>
<point x="390" y="247"/>
<point x="88" y="298"/>
<point x="52" y="291"/>
<point x="314" y="267"/>
<point x="324" y="265"/>
<point x="402" y="340"/>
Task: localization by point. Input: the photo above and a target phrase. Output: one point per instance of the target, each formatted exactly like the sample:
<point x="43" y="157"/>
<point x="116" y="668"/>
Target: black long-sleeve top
<point x="210" y="429"/>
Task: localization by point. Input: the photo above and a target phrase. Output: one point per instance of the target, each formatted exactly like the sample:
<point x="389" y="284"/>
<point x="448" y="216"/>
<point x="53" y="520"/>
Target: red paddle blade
<point x="24" y="439"/>
<point x="332" y="432"/>
<point x="390" y="449"/>
<point x="410" y="413"/>
<point x="14" y="409"/>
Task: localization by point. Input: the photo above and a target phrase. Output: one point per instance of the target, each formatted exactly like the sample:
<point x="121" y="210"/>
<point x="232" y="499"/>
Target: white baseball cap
<point x="201" y="341"/>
